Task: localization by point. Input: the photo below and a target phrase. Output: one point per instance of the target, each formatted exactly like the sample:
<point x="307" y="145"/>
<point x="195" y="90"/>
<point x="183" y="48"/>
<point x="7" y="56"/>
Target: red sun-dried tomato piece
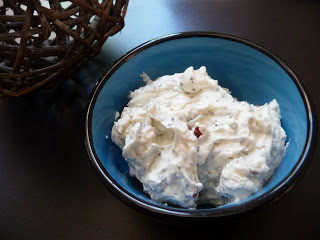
<point x="197" y="132"/>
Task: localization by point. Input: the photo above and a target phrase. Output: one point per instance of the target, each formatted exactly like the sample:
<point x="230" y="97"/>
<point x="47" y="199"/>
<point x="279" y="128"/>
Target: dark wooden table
<point x="48" y="188"/>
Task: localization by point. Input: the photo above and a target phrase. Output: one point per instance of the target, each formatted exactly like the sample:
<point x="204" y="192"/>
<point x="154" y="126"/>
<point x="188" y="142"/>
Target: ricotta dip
<point x="189" y="142"/>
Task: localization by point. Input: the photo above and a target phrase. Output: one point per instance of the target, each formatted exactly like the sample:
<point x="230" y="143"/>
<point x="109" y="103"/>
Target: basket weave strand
<point x="39" y="42"/>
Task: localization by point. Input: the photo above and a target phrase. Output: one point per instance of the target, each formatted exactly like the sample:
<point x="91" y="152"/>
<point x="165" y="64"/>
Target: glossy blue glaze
<point x="250" y="74"/>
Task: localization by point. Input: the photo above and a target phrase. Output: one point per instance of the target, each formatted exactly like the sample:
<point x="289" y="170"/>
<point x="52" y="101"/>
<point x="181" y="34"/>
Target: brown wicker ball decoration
<point x="42" y="39"/>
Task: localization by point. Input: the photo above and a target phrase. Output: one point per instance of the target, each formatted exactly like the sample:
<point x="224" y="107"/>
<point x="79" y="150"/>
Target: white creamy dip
<point x="189" y="141"/>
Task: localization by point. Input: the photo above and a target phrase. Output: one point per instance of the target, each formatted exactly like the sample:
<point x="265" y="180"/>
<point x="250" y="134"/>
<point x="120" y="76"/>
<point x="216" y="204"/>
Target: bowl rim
<point x="269" y="197"/>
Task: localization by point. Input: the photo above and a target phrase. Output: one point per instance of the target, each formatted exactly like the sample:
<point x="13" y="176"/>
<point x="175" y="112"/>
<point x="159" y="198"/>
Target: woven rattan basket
<point x="42" y="39"/>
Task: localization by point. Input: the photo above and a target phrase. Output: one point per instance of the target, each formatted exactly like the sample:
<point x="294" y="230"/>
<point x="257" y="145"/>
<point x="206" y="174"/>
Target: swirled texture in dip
<point x="189" y="141"/>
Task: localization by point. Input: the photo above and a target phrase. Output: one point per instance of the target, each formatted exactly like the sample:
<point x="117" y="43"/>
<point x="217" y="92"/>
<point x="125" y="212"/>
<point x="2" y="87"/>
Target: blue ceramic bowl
<point x="251" y="73"/>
